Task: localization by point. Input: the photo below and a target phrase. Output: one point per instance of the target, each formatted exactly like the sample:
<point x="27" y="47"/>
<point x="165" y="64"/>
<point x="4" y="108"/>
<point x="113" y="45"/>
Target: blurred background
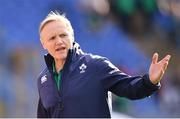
<point x="127" y="32"/>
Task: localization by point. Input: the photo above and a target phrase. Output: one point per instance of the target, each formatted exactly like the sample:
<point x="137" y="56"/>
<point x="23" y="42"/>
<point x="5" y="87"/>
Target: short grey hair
<point x="56" y="16"/>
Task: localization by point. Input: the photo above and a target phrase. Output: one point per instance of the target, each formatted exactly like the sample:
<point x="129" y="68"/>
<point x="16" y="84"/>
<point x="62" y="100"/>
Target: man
<point x="75" y="84"/>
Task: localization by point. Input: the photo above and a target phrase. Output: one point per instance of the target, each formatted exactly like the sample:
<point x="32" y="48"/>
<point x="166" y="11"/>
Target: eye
<point x="62" y="35"/>
<point x="52" y="38"/>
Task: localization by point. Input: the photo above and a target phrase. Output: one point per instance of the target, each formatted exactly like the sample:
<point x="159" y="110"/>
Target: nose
<point x="59" y="41"/>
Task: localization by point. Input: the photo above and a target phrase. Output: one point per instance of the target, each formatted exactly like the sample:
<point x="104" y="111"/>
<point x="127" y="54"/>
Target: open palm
<point x="157" y="69"/>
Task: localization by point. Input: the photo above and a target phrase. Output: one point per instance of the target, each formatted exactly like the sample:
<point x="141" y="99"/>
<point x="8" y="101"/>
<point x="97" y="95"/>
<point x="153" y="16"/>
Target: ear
<point x="43" y="44"/>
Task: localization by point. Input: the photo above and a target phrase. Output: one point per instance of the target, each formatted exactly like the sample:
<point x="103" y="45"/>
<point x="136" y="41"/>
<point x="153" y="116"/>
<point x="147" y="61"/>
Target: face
<point x="56" y="39"/>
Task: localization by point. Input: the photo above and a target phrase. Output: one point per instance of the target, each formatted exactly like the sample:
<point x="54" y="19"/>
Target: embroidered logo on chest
<point x="82" y="68"/>
<point x="43" y="79"/>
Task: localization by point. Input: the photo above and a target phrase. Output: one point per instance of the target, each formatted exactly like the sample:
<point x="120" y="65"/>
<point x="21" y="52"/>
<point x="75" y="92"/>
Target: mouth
<point x="60" y="49"/>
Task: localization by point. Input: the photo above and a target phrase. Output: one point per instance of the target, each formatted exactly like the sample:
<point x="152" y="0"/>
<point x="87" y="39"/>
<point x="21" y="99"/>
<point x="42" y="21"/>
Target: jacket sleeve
<point x="121" y="84"/>
<point x="41" y="111"/>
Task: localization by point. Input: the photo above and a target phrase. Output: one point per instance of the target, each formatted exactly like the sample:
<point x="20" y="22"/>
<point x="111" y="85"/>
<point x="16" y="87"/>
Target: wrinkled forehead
<point x="54" y="24"/>
<point x="53" y="28"/>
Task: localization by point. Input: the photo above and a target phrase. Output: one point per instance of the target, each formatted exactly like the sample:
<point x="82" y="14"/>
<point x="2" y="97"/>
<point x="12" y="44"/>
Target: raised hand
<point x="157" y="69"/>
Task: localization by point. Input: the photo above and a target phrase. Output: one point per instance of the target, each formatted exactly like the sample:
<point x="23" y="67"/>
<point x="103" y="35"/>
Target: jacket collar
<point x="49" y="59"/>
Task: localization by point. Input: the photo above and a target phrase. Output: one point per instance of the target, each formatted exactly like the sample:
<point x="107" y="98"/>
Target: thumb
<point x="155" y="58"/>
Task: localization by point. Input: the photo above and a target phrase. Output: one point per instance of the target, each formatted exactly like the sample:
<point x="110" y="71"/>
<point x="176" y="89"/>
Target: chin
<point x="62" y="57"/>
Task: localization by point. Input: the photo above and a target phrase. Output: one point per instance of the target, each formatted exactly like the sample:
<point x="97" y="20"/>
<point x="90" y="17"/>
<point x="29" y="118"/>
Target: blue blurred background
<point x="127" y="32"/>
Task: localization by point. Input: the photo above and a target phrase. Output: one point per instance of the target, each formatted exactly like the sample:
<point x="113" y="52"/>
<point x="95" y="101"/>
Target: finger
<point x="155" y="58"/>
<point x="166" y="58"/>
<point x="165" y="61"/>
<point x="165" y="64"/>
<point x="162" y="73"/>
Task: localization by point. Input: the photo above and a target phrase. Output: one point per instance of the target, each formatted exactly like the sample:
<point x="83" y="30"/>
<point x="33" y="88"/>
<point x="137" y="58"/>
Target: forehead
<point x="53" y="27"/>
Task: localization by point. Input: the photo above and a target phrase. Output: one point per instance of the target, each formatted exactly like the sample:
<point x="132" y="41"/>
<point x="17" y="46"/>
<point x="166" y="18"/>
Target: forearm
<point x="135" y="87"/>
